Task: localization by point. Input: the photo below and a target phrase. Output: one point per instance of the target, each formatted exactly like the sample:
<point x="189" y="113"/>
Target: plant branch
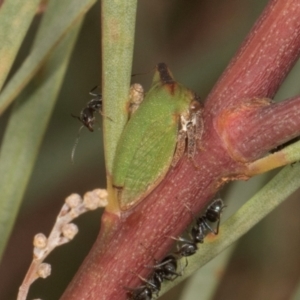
<point x="127" y="244"/>
<point x="253" y="128"/>
<point x="263" y="61"/>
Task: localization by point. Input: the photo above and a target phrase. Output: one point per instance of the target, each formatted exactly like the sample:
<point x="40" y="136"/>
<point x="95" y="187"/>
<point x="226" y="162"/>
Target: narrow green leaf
<point x="205" y="280"/>
<point x="24" y="133"/>
<point x="118" y="25"/>
<point x="15" y="19"/>
<point x="269" y="197"/>
<point x="296" y="295"/>
<point x="55" y="26"/>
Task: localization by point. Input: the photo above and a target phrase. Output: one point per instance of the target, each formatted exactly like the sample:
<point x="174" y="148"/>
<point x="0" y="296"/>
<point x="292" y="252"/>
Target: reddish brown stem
<point x="258" y="126"/>
<point x="127" y="244"/>
<point x="263" y="61"/>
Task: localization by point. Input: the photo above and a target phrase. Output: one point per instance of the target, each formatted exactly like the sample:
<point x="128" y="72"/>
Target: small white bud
<point x="40" y="241"/>
<point x="69" y="230"/>
<point x="44" y="270"/>
<point x="94" y="199"/>
<point x="102" y="194"/>
<point x="73" y="200"/>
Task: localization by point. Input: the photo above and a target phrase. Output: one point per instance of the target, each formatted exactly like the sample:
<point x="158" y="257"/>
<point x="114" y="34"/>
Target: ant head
<point x="86" y="118"/>
<point x="213" y="213"/>
<point x="216" y="206"/>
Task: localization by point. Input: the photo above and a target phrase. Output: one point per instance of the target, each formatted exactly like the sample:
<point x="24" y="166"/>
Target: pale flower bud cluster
<point x="63" y="231"/>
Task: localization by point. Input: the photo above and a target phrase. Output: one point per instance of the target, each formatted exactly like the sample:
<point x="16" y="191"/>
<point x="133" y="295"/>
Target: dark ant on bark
<point x="201" y="228"/>
<point x="164" y="270"/>
<point x="212" y="215"/>
<point x="167" y="268"/>
<point x="145" y="291"/>
<point x="87" y="117"/>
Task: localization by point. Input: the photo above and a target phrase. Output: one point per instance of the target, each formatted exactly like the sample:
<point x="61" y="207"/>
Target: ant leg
<point x="166" y="269"/>
<point x="186" y="264"/>
<point x="214" y="231"/>
<point x="217" y="227"/>
<point x="76" y="117"/>
<point x="105" y="116"/>
<point x="180" y="239"/>
<point x="92" y="90"/>
<point x="189" y="209"/>
<point x="144" y="280"/>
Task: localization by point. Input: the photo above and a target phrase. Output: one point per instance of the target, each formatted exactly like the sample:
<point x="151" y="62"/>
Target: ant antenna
<point x="75" y="144"/>
<point x="136" y="74"/>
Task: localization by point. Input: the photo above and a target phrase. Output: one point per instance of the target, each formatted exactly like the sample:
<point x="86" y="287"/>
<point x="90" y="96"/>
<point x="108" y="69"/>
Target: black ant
<point x="212" y="215"/>
<point x="188" y="248"/>
<point x="201" y="228"/>
<point x="145" y="291"/>
<point x="165" y="270"/>
<point x="87" y="117"/>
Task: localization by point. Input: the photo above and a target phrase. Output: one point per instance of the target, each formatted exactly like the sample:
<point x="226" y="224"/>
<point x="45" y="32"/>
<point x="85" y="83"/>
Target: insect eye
<point x="195" y="106"/>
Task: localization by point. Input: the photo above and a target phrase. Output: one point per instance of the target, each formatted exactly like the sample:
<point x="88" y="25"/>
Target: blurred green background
<point x="197" y="39"/>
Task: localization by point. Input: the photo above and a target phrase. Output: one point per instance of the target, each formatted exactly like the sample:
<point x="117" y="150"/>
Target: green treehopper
<point x="167" y="122"/>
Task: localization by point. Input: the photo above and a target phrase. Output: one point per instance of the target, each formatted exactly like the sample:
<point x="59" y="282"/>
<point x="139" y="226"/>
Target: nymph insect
<point x="167" y="123"/>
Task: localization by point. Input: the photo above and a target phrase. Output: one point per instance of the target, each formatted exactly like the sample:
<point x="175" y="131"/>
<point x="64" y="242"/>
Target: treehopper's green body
<point x="147" y="145"/>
